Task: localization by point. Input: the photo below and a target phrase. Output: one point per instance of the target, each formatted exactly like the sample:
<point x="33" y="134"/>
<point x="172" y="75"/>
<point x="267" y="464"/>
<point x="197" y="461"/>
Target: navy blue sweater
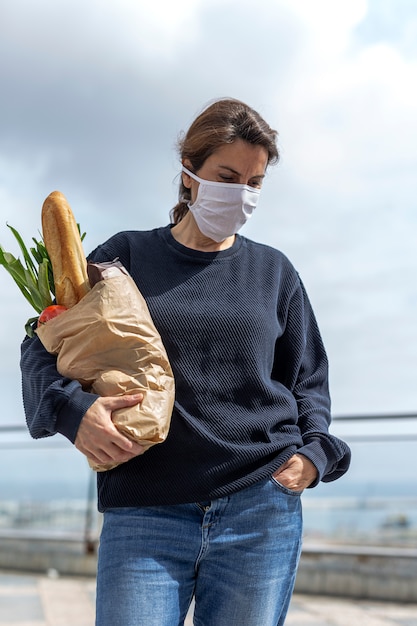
<point x="249" y="365"/>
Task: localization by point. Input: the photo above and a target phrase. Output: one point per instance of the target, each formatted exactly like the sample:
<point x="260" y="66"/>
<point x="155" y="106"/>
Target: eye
<point x="256" y="184"/>
<point x="226" y="179"/>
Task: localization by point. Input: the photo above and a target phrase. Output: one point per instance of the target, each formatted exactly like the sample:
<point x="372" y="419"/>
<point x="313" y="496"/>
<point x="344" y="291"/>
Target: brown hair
<point x="220" y="123"/>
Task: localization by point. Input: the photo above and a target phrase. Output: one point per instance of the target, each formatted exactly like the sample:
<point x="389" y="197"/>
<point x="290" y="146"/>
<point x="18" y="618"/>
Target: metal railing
<point x="47" y="488"/>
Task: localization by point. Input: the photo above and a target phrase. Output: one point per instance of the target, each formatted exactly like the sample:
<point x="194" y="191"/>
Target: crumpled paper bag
<point x="109" y="343"/>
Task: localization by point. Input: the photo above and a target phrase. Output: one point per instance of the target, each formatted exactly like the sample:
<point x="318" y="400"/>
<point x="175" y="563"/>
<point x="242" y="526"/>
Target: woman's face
<point x="238" y="162"/>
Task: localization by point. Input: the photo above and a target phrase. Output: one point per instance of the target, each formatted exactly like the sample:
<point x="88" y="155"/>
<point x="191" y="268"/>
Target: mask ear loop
<point x="183" y="199"/>
<point x="193" y="176"/>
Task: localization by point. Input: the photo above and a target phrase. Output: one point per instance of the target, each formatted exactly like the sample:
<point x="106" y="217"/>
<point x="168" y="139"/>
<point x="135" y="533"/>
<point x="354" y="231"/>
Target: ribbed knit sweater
<point x="250" y="372"/>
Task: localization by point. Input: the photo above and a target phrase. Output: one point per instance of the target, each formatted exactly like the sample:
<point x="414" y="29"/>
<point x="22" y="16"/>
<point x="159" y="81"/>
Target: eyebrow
<point x="226" y="167"/>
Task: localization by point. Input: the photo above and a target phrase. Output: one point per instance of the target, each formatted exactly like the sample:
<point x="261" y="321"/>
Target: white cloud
<point x="351" y="116"/>
<point x="157" y="28"/>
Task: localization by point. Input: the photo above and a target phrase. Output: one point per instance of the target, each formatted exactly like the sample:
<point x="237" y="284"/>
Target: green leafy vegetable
<point x="33" y="275"/>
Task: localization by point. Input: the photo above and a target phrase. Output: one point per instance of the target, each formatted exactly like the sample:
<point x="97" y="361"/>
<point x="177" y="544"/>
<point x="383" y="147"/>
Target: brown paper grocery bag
<point x="109" y="343"/>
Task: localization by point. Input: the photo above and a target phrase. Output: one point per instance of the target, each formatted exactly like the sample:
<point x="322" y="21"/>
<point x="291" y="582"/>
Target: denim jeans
<point x="237" y="556"/>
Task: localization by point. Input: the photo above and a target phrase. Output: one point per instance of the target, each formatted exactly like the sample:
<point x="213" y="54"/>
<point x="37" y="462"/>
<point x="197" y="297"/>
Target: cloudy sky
<point x="96" y="93"/>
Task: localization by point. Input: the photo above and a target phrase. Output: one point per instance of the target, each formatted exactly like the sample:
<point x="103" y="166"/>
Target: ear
<point x="186" y="179"/>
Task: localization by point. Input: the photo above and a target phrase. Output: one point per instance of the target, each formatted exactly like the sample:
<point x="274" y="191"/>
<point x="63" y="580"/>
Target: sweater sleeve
<point x="309" y="385"/>
<point x="52" y="404"/>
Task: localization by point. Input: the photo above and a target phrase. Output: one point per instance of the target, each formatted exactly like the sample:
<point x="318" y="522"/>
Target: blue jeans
<point x="237" y="556"/>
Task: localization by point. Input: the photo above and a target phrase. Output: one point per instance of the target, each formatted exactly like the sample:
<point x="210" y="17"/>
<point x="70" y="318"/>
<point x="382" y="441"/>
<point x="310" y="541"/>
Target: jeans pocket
<point x="290" y="492"/>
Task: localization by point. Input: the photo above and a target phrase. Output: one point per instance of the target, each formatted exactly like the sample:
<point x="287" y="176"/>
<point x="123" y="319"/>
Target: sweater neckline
<point x="199" y="254"/>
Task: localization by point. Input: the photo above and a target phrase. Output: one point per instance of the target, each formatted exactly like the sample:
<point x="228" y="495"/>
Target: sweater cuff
<point x="331" y="460"/>
<point x="314" y="452"/>
<point x="72" y="411"/>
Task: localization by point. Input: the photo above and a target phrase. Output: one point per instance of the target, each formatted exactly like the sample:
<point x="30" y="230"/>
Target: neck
<point x="187" y="233"/>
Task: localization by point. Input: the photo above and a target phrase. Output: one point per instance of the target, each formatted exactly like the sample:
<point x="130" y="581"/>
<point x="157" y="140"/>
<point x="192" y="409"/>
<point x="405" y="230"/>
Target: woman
<point x="214" y="512"/>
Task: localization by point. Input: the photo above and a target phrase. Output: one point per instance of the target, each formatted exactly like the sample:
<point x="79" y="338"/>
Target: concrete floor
<point x="50" y="600"/>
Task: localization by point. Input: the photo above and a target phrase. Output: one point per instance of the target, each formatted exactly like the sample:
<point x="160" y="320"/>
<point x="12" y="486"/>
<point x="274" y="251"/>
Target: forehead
<point x="241" y="157"/>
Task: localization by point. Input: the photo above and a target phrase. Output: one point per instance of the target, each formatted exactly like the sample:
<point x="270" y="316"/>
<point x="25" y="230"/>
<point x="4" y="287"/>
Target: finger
<point x="125" y="444"/>
<point x="121" y="440"/>
<point x="110" y="452"/>
<point x="119" y="402"/>
<point x="117" y="455"/>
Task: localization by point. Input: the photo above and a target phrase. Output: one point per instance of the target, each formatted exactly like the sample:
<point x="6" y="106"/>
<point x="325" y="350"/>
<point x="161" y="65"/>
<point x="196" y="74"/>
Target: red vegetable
<point x="50" y="312"/>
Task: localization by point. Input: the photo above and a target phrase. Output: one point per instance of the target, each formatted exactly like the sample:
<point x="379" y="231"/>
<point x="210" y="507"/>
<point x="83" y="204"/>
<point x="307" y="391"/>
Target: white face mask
<point x="221" y="209"/>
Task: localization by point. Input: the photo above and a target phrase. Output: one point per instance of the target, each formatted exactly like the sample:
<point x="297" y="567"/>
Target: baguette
<point x="63" y="243"/>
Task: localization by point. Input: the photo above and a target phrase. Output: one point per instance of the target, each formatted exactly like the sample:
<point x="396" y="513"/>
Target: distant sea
<point x="371" y="513"/>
